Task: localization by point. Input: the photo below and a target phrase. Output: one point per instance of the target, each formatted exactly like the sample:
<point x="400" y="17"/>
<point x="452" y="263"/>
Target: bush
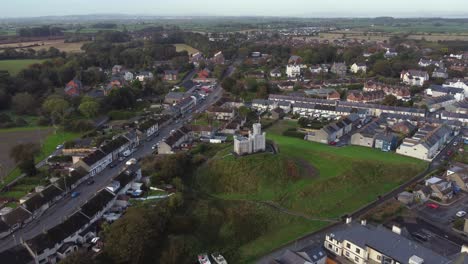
<point x="20" y="122"/>
<point x="43" y="121"/>
<point x="60" y="159"/>
<point x="79" y="125"/>
<point x="292" y="132"/>
<point x="4" y="118"/>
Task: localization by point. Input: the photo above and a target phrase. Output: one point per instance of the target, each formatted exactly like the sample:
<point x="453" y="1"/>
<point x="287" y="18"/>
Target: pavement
<point x="67" y="205"/>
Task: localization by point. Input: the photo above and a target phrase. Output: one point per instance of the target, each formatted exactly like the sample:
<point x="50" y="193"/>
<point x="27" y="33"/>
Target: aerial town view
<point x="217" y="132"/>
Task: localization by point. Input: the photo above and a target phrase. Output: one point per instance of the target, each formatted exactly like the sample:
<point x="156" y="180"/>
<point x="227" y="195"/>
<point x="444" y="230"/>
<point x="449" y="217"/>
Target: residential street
<point x="67" y="205"/>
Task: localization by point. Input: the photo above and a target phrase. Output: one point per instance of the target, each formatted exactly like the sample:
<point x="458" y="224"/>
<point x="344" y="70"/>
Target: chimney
<point x="349" y="220"/>
<point x="396" y="229"/>
<point x="363" y="222"/>
<point x="464" y="249"/>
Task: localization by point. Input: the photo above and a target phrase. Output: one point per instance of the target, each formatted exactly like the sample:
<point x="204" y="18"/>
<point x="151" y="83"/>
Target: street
<point x="67" y="205"/>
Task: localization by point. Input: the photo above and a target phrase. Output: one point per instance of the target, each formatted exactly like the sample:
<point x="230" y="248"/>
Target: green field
<point x="309" y="178"/>
<point x="184" y="47"/>
<point x="15" y="66"/>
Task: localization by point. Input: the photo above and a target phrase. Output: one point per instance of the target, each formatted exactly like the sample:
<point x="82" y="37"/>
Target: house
<point x="294" y="59"/>
<point x="275" y="73"/>
<point x="116" y="147"/>
<point x="115" y="83"/>
<point x="171" y="75"/>
<point x="422" y="193"/>
<point x="44" y="246"/>
<point x="15" y="218"/>
<point x="458" y="83"/>
<point x="184" y="105"/>
<point x="404" y="127"/>
<point x="426" y="63"/>
<point x="197" y="58"/>
<point x="221" y="113"/>
<point x="41" y="201"/>
<point x="218" y="58"/>
<point x="232" y="127"/>
<point x="386" y="141"/>
<point x="293" y="70"/>
<point x="400" y="92"/>
<point x="331" y="132"/>
<point x="339" y="68"/>
<point x="442" y="190"/>
<point x="5" y="229"/>
<point x="440" y="73"/>
<point x="117" y="69"/>
<point x="66" y="250"/>
<point x="286" y="85"/>
<point x="358" y="67"/>
<point x="458" y="174"/>
<point x="174" y="97"/>
<point x="277" y="113"/>
<point x="126" y="178"/>
<point x="362" y="243"/>
<point x="94" y="162"/>
<point x="146" y="76"/>
<point x="406" y="198"/>
<point x="365" y="97"/>
<point x="147" y="129"/>
<point x="390" y="53"/>
<point x="436" y="103"/>
<point x="440" y="90"/>
<point x="414" y="77"/>
<point x="95" y="207"/>
<point x="368" y="134"/>
<point x="128" y="76"/>
<point x="426" y="142"/>
<point x="254" y="143"/>
<point x="316" y="69"/>
<point x="74" y="87"/>
<point x="174" y="140"/>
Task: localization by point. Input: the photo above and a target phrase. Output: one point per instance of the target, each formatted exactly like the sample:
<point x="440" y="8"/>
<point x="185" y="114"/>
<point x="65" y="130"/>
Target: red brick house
<point x="74" y="87"/>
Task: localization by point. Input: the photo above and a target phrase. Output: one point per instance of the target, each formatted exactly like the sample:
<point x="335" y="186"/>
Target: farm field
<point x="15" y="66"/>
<point x="45" y="136"/>
<point x="184" y="47"/>
<point x="46" y="44"/>
<point x="308" y="178"/>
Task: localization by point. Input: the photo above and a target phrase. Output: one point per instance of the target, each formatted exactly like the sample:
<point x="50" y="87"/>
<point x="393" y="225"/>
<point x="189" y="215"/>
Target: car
<point x="203" y="259"/>
<point x="449" y="153"/>
<point x="59" y="147"/>
<point x="155" y="146"/>
<point x="75" y="194"/>
<point x="131" y="161"/>
<point x="218" y="258"/>
<point x="113" y="164"/>
<point x="419" y="236"/>
<point x="461" y="214"/>
<point x="432" y="205"/>
<point x="455" y="143"/>
<point x="90" y="182"/>
<point x="333" y="143"/>
<point x="126" y="153"/>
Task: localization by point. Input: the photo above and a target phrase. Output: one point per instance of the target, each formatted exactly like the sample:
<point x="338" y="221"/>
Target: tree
<point x="383" y="68"/>
<point x="177" y="249"/>
<point x="56" y="106"/>
<point x="23" y="103"/>
<point x="390" y="100"/>
<point x="89" y="107"/>
<point x="23" y="155"/>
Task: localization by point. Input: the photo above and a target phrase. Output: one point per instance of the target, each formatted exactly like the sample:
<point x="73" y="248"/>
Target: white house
<point x="356" y="67"/>
<point x="458" y="84"/>
<point x="128" y="76"/>
<point x="414" y="77"/>
<point x="293" y="70"/>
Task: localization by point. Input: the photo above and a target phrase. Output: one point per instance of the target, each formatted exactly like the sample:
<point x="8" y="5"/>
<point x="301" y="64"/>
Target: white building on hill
<point x="252" y="144"/>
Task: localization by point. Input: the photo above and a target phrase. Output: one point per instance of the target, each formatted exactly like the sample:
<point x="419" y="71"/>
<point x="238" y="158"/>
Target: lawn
<point x="310" y="178"/>
<point x="15" y="66"/>
<point x="184" y="47"/>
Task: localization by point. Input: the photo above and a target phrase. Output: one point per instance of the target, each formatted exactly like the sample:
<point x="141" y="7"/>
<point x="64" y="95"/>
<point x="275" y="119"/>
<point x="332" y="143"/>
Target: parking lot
<point x="444" y="215"/>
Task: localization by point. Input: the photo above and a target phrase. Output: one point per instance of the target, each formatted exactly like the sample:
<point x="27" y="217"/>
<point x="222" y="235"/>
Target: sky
<point x="299" y="8"/>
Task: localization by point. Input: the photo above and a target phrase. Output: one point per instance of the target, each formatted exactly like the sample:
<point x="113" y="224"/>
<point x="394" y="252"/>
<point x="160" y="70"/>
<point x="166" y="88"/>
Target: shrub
<point x="120" y="115"/>
<point x="292" y="132"/>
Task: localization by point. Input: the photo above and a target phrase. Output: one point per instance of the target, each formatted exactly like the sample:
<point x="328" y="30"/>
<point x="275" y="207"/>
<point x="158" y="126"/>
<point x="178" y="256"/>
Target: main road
<point x="67" y="205"/>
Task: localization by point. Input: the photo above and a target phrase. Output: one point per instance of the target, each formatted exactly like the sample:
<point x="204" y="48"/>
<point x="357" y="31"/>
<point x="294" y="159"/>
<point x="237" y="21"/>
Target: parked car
<point x="461" y="214"/>
<point x="155" y="146"/>
<point x="218" y="258"/>
<point x="432" y="205"/>
<point x="333" y="143"/>
<point x="419" y="236"/>
<point x="75" y="194"/>
<point x="59" y="146"/>
<point x="126" y="153"/>
<point x="114" y="164"/>
<point x="90" y="182"/>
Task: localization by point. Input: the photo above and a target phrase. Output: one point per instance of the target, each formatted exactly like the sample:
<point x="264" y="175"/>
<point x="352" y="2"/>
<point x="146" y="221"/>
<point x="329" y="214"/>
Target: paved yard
<point x="444" y="215"/>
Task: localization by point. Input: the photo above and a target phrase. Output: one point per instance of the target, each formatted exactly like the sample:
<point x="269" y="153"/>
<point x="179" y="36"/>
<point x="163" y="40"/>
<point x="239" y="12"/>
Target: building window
<point x="358" y="251"/>
<point x="356" y="259"/>
<point x="347" y="254"/>
<point x="330" y="246"/>
<point x="348" y="245"/>
<point x="379" y="257"/>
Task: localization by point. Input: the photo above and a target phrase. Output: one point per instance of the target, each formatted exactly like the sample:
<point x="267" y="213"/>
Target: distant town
<point x="274" y="141"/>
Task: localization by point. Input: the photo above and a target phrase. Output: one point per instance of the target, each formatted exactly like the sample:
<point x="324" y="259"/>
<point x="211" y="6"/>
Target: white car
<point x="59" y="147"/>
<point x="461" y="214"/>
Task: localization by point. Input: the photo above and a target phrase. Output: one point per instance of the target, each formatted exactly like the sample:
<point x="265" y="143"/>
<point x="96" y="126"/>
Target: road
<point x="316" y="239"/>
<point x="67" y="205"/>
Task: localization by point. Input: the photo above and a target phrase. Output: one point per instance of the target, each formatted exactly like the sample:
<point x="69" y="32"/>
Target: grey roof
<point x="313" y="254"/>
<point x="391" y="244"/>
<point x="290" y="257"/>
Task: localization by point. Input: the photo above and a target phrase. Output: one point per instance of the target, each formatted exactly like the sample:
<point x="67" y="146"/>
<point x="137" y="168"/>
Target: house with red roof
<point x="74" y="87"/>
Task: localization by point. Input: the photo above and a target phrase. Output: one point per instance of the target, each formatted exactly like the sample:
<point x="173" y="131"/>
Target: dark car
<point x="113" y="164"/>
<point x="419" y="236"/>
<point x="90" y="182"/>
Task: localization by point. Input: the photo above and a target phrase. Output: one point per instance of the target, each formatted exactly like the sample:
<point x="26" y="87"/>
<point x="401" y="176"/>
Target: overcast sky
<point x="303" y="8"/>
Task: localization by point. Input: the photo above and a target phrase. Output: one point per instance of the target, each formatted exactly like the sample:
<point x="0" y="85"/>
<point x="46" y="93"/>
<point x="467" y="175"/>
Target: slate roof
<point x="94" y="157"/>
<point x="34" y="202"/>
<point x="97" y="203"/>
<point x="114" y="145"/>
<point x="385" y="241"/>
<point x="50" y="192"/>
<point x="17" y="215"/>
<point x="3" y="226"/>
